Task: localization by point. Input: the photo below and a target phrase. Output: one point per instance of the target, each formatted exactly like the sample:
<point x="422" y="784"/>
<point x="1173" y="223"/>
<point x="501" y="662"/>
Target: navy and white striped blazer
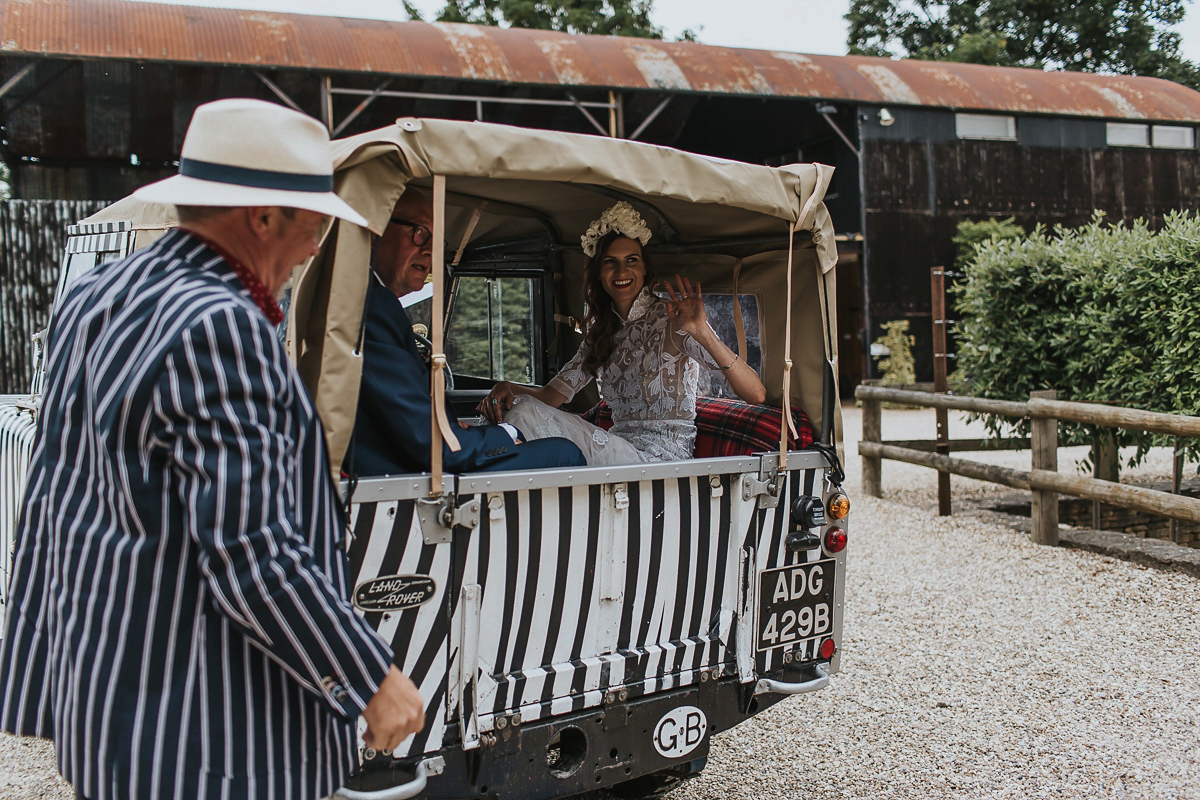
<point x="178" y="621"/>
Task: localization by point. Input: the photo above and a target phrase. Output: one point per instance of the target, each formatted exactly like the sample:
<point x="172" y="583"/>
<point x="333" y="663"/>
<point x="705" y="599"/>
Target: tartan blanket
<point x="729" y="427"/>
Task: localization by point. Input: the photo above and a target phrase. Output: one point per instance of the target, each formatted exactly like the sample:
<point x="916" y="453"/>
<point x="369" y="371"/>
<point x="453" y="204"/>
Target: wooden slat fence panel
<point x="33" y="234"/>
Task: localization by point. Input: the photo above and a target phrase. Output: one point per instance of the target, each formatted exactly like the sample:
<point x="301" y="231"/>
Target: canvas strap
<point x="462" y="246"/>
<point x="441" y="427"/>
<point x="569" y="321"/>
<point x="787" y="425"/>
<point x="738" y="322"/>
<point x="823" y="291"/>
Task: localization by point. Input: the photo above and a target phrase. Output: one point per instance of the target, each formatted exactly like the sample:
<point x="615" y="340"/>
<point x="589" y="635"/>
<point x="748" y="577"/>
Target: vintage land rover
<point x="590" y="628"/>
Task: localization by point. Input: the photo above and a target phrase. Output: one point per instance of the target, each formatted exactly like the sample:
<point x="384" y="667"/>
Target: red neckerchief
<point x="259" y="293"/>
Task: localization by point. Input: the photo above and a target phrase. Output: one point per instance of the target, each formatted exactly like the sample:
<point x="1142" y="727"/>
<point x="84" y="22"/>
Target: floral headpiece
<point x="620" y="218"/>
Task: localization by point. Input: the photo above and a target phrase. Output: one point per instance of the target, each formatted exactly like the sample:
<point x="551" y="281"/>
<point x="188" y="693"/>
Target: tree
<point x="605" y="17"/>
<point x="1126" y="37"/>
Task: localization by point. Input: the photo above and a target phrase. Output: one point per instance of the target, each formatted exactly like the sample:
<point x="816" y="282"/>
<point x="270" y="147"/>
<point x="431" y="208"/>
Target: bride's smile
<point x="623" y="273"/>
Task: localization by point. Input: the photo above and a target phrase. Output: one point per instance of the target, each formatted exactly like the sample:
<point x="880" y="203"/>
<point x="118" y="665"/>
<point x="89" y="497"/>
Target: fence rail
<point x="1042" y="479"/>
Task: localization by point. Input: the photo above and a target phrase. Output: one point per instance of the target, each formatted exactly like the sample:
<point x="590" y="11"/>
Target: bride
<point x="644" y="351"/>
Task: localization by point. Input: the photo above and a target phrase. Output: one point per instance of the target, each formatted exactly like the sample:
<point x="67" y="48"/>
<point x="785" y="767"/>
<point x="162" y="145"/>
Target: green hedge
<point x="1104" y="314"/>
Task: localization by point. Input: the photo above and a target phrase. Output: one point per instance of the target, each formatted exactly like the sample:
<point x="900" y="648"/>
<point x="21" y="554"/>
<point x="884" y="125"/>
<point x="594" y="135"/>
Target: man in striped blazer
<point x="178" y="620"/>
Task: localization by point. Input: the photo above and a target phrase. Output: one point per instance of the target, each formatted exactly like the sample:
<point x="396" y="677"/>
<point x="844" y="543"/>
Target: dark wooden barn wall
<point x="72" y="126"/>
<point x="918" y="191"/>
<point x="33" y="234"/>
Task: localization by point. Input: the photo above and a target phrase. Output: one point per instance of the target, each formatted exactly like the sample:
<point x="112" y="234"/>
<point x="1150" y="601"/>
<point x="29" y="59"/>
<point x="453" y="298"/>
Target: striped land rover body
<point x="17" y="427"/>
<point x="558" y="593"/>
<point x="590" y="628"/>
<point x="87" y="246"/>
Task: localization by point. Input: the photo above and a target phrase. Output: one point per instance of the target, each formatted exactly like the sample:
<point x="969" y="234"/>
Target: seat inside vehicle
<point x="726" y="427"/>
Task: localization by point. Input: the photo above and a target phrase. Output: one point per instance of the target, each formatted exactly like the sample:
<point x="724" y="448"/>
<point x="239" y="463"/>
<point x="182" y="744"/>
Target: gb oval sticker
<point x="680" y="731"/>
<point x="394" y="592"/>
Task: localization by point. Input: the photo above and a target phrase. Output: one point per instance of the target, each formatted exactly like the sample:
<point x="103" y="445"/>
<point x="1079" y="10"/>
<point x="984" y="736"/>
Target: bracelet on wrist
<point x="730" y="364"/>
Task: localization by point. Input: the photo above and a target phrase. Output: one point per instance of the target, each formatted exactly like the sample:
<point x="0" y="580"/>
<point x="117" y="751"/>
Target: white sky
<point x="801" y="26"/>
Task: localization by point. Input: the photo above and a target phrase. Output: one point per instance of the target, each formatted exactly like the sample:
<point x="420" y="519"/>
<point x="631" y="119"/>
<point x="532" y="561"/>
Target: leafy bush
<point x="897" y="367"/>
<point x="1104" y="314"/>
<point x="971" y="234"/>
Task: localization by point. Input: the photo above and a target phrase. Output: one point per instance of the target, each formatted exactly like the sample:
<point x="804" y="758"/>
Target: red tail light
<point x="835" y="540"/>
<point x="828" y="648"/>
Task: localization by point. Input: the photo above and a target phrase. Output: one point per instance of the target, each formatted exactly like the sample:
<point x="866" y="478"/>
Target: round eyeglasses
<point x="421" y="235"/>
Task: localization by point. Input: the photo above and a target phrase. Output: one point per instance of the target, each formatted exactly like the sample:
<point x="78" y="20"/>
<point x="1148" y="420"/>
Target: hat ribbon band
<point x="257" y="178"/>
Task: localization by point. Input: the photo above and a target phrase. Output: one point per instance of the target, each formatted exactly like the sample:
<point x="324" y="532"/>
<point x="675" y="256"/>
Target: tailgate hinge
<point x="439" y="516"/>
<point x="767" y="489"/>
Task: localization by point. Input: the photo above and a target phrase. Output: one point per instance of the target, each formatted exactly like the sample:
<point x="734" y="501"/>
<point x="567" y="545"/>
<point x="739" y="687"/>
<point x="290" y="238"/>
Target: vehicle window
<point x="719" y="308"/>
<point x="77" y="265"/>
<point x="490" y="333"/>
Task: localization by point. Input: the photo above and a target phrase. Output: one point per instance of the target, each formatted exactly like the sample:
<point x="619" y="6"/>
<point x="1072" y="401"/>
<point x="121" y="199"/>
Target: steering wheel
<point x="426" y="348"/>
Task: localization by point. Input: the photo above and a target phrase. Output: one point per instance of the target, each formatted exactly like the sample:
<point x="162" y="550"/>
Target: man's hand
<point x="394" y="712"/>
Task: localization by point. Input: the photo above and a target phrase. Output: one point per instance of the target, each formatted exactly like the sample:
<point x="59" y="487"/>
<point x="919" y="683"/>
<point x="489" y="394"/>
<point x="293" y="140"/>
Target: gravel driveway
<point x="978" y="665"/>
<point x="975" y="665"/>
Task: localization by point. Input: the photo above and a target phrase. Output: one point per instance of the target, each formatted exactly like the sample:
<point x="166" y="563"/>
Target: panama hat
<point x="244" y="152"/>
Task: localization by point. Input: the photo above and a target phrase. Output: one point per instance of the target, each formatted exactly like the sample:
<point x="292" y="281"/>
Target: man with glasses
<point x="404" y="254"/>
<point x="393" y="426"/>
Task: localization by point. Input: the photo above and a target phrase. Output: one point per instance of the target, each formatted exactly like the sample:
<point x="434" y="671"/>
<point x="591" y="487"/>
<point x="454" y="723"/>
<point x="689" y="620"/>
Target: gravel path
<point x="978" y="665"/>
<point x="975" y="664"/>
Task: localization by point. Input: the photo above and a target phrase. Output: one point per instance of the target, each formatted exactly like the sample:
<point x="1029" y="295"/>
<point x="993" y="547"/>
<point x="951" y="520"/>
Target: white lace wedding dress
<point x="650" y="382"/>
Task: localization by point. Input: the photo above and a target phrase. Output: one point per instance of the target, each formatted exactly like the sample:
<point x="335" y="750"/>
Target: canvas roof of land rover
<point x="506" y="184"/>
<point x="579" y="629"/>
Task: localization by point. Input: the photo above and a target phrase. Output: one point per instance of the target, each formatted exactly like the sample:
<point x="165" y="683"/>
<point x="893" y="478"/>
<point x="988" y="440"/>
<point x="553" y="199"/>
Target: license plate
<point x="795" y="603"/>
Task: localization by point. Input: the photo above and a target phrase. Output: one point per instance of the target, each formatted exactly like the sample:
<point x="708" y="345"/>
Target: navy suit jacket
<point x="392" y="429"/>
<point x="178" y="620"/>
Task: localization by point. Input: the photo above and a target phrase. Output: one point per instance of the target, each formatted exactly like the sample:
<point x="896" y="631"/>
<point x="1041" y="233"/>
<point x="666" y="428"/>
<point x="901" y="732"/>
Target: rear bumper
<point x="580" y="752"/>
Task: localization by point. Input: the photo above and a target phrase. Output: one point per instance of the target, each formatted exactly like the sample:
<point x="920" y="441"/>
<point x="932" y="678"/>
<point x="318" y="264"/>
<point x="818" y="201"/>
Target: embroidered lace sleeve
<point x="696" y="350"/>
<point x="573" y="377"/>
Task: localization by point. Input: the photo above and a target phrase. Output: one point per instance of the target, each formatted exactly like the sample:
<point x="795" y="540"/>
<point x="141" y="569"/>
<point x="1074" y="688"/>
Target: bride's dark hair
<point x="601" y="323"/>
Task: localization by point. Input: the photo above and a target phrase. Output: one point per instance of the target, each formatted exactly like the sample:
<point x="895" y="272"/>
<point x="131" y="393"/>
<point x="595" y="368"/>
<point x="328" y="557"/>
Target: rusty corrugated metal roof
<point x="188" y="34"/>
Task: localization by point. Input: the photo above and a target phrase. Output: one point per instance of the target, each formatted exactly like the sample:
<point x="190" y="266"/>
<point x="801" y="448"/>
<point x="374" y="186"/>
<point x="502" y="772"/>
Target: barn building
<point x="95" y="96"/>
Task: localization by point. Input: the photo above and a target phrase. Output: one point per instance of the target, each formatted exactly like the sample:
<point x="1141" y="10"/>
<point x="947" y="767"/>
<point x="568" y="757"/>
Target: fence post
<point x="1105" y="465"/>
<point x="872" y="431"/>
<point x="1176" y="485"/>
<point x="1044" y="455"/>
<point x="937" y="282"/>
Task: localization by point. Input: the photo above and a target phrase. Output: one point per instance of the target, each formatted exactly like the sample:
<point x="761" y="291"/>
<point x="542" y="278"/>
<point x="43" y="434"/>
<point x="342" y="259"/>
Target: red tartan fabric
<point x="729" y="427"/>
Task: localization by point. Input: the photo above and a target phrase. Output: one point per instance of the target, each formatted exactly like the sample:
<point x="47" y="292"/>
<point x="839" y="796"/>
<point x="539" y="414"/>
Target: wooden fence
<point x="1042" y="479"/>
<point x="32" y="236"/>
